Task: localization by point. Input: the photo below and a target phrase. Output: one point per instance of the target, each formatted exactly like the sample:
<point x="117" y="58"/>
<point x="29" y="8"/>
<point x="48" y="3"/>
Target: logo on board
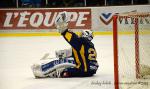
<point x="106" y="18"/>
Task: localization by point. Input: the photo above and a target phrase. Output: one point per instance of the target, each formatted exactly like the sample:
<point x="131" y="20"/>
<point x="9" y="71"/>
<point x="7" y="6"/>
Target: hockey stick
<point x="45" y="56"/>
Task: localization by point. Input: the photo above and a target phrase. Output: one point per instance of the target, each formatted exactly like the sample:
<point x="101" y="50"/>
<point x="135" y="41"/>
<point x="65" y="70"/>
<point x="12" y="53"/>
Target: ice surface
<point x="18" y="53"/>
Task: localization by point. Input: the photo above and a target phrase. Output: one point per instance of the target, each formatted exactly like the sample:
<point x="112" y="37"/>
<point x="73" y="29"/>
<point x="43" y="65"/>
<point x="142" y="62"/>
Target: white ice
<point x="17" y="54"/>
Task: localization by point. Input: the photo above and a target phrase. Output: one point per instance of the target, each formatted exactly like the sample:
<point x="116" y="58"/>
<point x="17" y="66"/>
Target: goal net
<point x="131" y="38"/>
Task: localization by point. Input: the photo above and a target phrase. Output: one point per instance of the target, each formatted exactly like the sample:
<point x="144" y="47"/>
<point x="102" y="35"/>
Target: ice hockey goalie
<point x="79" y="61"/>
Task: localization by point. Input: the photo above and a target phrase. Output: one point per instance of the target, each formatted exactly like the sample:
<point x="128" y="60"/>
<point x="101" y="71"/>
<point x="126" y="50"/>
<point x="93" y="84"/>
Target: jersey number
<point x="92" y="54"/>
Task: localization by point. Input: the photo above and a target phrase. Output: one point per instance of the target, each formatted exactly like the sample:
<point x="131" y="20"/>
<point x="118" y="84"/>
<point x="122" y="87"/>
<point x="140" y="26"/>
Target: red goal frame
<point x="115" y="45"/>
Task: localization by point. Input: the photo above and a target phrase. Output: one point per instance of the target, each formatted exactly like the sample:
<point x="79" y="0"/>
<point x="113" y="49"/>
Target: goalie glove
<point x="61" y="22"/>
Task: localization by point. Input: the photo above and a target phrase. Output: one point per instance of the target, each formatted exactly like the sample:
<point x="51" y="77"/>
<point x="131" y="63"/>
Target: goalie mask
<point x="87" y="34"/>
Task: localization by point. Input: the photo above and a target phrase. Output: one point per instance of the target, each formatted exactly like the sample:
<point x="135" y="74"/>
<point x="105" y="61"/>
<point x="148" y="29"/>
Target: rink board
<point x="40" y="22"/>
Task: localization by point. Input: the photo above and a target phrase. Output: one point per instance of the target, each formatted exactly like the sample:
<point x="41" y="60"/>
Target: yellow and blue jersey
<point x="83" y="50"/>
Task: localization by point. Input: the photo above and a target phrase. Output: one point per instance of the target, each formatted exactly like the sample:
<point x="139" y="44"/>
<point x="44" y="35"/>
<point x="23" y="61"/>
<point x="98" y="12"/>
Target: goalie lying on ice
<point x="82" y="61"/>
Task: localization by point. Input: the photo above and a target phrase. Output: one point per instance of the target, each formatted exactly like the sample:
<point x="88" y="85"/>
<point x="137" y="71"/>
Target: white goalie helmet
<point x="87" y="34"/>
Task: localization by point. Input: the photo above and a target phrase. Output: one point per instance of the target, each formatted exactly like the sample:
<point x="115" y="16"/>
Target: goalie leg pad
<point x="48" y="68"/>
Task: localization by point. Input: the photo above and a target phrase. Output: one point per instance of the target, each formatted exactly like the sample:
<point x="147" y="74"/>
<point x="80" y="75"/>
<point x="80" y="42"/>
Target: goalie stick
<point x="45" y="56"/>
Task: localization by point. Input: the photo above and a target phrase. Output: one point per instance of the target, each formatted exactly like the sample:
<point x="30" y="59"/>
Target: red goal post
<point x="132" y="29"/>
